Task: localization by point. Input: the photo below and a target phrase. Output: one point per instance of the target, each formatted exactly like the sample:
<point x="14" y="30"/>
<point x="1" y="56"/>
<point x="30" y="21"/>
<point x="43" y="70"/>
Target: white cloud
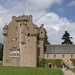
<point x="72" y="3"/>
<point x="54" y="24"/>
<point x="42" y="4"/>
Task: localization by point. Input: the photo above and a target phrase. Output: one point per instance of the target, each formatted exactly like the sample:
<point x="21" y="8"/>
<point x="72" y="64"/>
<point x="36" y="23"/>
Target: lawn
<point x="28" y="71"/>
<point x="73" y="70"/>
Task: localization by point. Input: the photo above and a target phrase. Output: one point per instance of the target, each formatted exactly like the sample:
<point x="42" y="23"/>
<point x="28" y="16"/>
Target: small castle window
<point x="54" y="56"/>
<point x="13" y="39"/>
<point x="63" y="56"/>
<point x="16" y="38"/>
<point x="47" y="55"/>
<point x="27" y="28"/>
<point x="28" y="34"/>
<point x="25" y="24"/>
<point x="41" y="32"/>
<point x="71" y="56"/>
<point x="16" y="29"/>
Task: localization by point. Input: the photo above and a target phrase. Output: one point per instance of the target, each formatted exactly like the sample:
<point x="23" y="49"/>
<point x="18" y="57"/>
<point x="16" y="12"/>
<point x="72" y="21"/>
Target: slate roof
<point x="59" y="49"/>
<point x="35" y="26"/>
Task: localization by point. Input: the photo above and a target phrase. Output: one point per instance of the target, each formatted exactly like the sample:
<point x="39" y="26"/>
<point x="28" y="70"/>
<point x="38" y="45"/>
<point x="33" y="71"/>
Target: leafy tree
<point x="46" y="38"/>
<point x="1" y="52"/>
<point x="67" y="39"/>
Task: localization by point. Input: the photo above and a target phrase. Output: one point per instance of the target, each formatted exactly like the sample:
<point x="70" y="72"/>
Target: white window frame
<point x="17" y="53"/>
<point x="11" y="53"/>
<point x="14" y="53"/>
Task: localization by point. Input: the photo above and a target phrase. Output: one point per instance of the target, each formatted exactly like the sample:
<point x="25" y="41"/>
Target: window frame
<point x="14" y="53"/>
<point x="71" y="56"/>
<point x="54" y="56"/>
<point x="63" y="56"/>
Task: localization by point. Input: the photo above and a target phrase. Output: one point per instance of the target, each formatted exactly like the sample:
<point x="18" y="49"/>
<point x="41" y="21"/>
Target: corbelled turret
<point x="5" y="30"/>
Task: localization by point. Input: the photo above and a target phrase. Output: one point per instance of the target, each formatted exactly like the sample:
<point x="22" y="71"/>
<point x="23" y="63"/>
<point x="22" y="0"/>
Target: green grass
<point x="73" y="70"/>
<point x="28" y="71"/>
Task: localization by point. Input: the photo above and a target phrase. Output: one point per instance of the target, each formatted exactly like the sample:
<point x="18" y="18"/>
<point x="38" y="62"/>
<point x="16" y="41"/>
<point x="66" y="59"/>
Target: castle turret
<point x="41" y="32"/>
<point x="5" y="30"/>
<point x="41" y="40"/>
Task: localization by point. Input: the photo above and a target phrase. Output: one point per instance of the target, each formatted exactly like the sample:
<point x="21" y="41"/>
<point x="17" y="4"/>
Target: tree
<point x="46" y="38"/>
<point x="1" y="52"/>
<point x="67" y="39"/>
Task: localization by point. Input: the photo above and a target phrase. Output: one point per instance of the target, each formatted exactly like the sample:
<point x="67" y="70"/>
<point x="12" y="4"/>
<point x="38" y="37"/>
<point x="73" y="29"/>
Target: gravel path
<point x="67" y="72"/>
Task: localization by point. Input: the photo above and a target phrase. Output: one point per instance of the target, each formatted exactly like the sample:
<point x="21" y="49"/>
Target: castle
<point x="22" y="40"/>
<point x="24" y="44"/>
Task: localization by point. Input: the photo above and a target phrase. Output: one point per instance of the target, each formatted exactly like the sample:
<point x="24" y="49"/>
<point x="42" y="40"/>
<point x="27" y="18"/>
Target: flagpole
<point x="26" y="8"/>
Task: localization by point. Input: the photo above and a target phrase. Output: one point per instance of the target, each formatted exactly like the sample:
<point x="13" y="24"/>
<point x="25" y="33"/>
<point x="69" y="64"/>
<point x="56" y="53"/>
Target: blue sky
<point x="64" y="9"/>
<point x="56" y="15"/>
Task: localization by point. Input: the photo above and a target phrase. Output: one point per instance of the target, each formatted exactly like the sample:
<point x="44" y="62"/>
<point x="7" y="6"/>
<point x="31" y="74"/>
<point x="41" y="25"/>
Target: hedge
<point x="73" y="60"/>
<point x="45" y="62"/>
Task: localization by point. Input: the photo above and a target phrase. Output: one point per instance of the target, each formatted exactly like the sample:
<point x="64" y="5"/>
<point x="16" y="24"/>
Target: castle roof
<point x="59" y="49"/>
<point x="5" y="27"/>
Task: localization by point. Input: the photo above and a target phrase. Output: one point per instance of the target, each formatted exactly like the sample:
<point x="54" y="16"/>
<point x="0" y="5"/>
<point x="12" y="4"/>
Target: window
<point x="41" y="32"/>
<point x="18" y="53"/>
<point x="63" y="56"/>
<point x="71" y="56"/>
<point x="10" y="53"/>
<point x="47" y="55"/>
<point x="28" y="34"/>
<point x="25" y="24"/>
<point x="54" y="56"/>
<point x="27" y="28"/>
<point x="14" y="53"/>
<point x="13" y="39"/>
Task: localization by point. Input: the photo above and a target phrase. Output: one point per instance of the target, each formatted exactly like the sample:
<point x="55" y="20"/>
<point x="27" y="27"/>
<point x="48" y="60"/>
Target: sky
<point x="57" y="16"/>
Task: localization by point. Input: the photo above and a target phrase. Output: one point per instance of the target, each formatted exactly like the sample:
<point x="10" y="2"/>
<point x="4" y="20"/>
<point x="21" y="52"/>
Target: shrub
<point x="45" y="62"/>
<point x="73" y="60"/>
<point x="41" y="62"/>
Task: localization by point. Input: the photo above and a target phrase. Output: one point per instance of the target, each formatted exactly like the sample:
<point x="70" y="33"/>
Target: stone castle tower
<point x="23" y="42"/>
